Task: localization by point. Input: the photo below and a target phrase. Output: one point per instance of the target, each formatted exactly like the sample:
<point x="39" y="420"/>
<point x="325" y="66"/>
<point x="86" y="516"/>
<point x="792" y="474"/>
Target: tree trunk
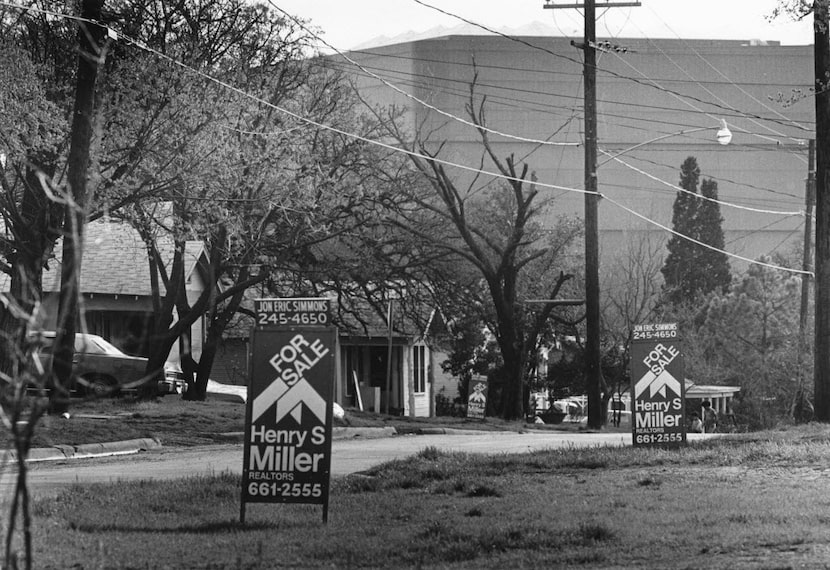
<point x="198" y="390"/>
<point x="513" y="396"/>
<point x="90" y="41"/>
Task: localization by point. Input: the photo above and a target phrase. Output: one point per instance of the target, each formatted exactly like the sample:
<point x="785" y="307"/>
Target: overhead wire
<point x="702" y="244"/>
<point x="514" y="89"/>
<point x="647" y="83"/>
<point x="722" y="179"/>
<point x="724" y="76"/>
<point x="373" y="52"/>
<point x="408" y="95"/>
<point x="713" y="94"/>
<point x="683" y="190"/>
<point x="573" y="113"/>
<point x="115" y="35"/>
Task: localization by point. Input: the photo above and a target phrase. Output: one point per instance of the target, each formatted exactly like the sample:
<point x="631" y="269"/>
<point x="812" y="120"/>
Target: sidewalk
<point x="84" y="451"/>
<point x="132" y="446"/>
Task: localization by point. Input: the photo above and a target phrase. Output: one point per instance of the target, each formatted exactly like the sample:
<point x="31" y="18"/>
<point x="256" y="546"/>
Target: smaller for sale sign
<point x="657" y="386"/>
<point x="287" y="449"/>
<point x="477" y="398"/>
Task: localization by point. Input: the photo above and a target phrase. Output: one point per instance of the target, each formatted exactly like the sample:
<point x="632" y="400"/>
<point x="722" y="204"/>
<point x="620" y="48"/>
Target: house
<point x="115" y="286"/>
<point x="394" y="369"/>
<point x="721" y="397"/>
<point x="387" y="369"/>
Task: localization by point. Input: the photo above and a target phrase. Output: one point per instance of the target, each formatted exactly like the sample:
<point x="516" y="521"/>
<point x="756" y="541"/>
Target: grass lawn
<point x="178" y="423"/>
<point x="750" y="501"/>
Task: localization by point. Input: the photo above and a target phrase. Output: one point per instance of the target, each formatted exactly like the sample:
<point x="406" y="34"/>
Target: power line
<point x="720" y="73"/>
<point x="683" y="190"/>
<point x="530" y="70"/>
<point x="722" y="179"/>
<point x="114" y="34"/>
<point x="512" y="89"/>
<point x="702" y="244"/>
<point x="648" y="83"/>
<point x="408" y="95"/>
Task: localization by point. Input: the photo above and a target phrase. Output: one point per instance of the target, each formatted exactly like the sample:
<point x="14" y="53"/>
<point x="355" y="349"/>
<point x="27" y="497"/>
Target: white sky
<point x="350" y="23"/>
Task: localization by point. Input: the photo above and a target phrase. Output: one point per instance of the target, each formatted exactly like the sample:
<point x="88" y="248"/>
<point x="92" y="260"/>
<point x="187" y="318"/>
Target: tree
<point x="268" y="188"/>
<point x="36" y="60"/>
<point x="632" y="297"/>
<point x="694" y="268"/>
<point x="749" y="337"/>
<point x="497" y="233"/>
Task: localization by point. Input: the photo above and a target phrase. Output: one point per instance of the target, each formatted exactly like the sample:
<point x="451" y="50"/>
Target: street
<point x="348" y="456"/>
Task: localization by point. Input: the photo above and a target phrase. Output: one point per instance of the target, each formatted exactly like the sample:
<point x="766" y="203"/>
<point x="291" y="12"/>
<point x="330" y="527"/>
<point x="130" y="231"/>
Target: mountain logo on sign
<point x="290" y="400"/>
<point x="478" y="394"/>
<point x="657" y="384"/>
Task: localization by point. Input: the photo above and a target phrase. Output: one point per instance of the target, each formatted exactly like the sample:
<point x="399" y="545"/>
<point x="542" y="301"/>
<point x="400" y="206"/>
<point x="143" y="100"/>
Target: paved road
<point x="348" y="456"/>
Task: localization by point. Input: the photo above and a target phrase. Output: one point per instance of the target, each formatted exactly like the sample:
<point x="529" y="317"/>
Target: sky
<point x="356" y="23"/>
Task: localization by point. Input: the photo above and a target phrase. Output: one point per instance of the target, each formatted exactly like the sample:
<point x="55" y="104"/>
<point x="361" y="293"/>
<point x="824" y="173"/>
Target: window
<point x="419" y="372"/>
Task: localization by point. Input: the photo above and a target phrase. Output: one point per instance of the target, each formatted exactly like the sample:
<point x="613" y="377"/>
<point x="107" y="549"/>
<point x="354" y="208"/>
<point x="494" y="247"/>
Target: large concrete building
<point x="646" y="90"/>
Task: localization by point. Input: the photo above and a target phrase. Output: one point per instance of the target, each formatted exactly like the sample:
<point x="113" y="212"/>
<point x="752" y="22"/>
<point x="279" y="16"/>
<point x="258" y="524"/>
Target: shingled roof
<point x="115" y="261"/>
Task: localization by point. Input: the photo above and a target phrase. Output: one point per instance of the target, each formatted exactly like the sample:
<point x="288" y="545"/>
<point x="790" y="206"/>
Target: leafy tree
<point x="749" y="337"/>
<point x="691" y="268"/>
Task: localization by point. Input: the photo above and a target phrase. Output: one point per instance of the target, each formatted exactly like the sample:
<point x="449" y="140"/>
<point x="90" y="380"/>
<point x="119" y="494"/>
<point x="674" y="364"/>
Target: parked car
<point x="101" y="368"/>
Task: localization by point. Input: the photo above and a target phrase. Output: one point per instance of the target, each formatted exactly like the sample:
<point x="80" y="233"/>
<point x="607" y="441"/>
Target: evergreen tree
<point x="691" y="269"/>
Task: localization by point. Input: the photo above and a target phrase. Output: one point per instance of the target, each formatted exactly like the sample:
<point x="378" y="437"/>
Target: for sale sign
<point x="477" y="397"/>
<point x="287" y="451"/>
<point x="657" y="386"/>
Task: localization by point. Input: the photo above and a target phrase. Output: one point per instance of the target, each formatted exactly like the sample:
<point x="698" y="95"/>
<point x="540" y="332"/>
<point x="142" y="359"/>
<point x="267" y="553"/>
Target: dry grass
<point x="178" y="423"/>
<point x="758" y="501"/>
<point x="169" y="419"/>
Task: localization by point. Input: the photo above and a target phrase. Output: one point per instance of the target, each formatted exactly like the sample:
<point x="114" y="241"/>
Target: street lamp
<point x="723" y="137"/>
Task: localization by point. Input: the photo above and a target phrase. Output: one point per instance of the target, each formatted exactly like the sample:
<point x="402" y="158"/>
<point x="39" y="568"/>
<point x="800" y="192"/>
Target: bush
<point x="446" y="407"/>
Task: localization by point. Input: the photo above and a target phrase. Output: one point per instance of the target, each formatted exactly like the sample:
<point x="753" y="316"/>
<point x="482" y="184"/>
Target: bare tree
<point x="633" y="288"/>
<point x="498" y="233"/>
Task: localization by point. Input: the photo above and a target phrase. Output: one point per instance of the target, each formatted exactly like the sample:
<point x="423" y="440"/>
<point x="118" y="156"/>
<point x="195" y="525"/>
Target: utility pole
<point x="807" y="254"/>
<point x="593" y="370"/>
<point x="821" y="58"/>
<point x="807" y="267"/>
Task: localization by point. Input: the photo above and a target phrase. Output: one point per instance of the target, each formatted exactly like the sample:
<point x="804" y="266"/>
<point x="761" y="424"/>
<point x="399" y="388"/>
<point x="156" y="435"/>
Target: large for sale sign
<point x="657" y="386"/>
<point x="287" y="451"/>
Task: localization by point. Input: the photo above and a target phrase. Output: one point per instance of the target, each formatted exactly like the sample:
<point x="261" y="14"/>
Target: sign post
<point x="288" y="423"/>
<point x="658" y="387"/>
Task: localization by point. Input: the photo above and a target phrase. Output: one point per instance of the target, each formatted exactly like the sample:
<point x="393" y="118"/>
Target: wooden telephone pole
<point x="593" y="370"/>
<point x="822" y="272"/>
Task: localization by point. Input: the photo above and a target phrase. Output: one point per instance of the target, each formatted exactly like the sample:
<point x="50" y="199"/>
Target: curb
<point x="336" y="433"/>
<point x="362" y="433"/>
<point x="455" y="431"/>
<point x="84" y="451"/>
<point x="131" y="446"/>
